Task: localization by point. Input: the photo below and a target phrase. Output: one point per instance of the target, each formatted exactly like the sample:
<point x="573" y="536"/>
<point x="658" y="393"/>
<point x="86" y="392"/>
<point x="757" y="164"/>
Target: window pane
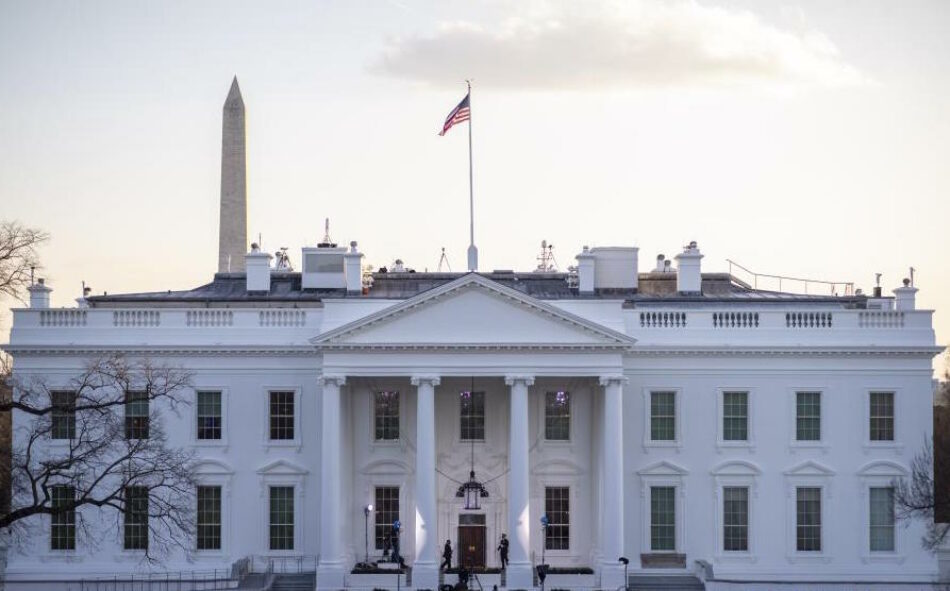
<point x="63" y="416"/>
<point x="557" y="416"/>
<point x="808" y="416"/>
<point x="387" y="415"/>
<point x="136" y="415"/>
<point x="663" y="416"/>
<point x="557" y="506"/>
<point x="136" y="518"/>
<point x="472" y="416"/>
<point x="662" y="518"/>
<point x="387" y="512"/>
<point x="281" y="518"/>
<point x="882" y="519"/>
<point x="62" y="524"/>
<point x="209" y="415"/>
<point x="882" y="416"/>
<point x="209" y="517"/>
<point x="735" y="519"/>
<point x="282" y="415"/>
<point x="735" y="416"/>
<point x="808" y="519"/>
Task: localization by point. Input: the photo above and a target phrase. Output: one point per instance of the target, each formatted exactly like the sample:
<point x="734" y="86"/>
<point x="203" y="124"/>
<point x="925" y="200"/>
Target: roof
<point x="230" y="288"/>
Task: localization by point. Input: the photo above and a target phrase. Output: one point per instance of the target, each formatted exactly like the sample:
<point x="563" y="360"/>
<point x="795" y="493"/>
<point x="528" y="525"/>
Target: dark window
<point x="282" y="415"/>
<point x="663" y="518"/>
<point x="136" y="518"/>
<point x="735" y="519"/>
<point x="735" y="416"/>
<point x="472" y="416"/>
<point x="63" y="415"/>
<point x="808" y="416"/>
<point x="387" y="415"/>
<point x="209" y="415"/>
<point x="557" y="506"/>
<point x="882" y="519"/>
<point x="387" y="512"/>
<point x="281" y="518"/>
<point x="209" y="517"/>
<point x="136" y="415"/>
<point x="808" y="519"/>
<point x="663" y="416"/>
<point x="557" y="416"/>
<point x="882" y="416"/>
<point x="62" y="521"/>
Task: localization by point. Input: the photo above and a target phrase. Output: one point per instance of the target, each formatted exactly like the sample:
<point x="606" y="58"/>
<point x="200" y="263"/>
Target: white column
<point x="331" y="567"/>
<point x="425" y="569"/>
<point x="519" y="575"/>
<point x="611" y="544"/>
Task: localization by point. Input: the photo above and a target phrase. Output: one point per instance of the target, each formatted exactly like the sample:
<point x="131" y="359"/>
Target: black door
<point x="471" y="546"/>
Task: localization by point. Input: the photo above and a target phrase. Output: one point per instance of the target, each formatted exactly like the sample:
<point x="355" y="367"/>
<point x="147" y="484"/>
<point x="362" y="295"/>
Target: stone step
<point x="664" y="583"/>
<point x="301" y="582"/>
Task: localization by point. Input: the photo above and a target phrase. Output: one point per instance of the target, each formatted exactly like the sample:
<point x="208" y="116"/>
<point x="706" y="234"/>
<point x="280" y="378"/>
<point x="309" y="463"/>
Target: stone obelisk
<point x="232" y="230"/>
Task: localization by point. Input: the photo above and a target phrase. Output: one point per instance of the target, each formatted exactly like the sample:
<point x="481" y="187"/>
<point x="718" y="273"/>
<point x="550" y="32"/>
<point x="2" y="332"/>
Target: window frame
<point x="822" y="524"/>
<point x="819" y="444"/>
<point x="570" y="416"/>
<point x="225" y="395"/>
<point x="458" y="422"/>
<point x="568" y="524"/>
<point x="744" y="474"/>
<point x="880" y="474"/>
<point x="57" y="413"/>
<point x="721" y="441"/>
<point x="809" y="474"/>
<point x="295" y="524"/>
<point x="376" y="512"/>
<point x="282" y="472"/>
<point x="663" y="473"/>
<point x="897" y="444"/>
<point x="126" y="525"/>
<point x="128" y="394"/>
<point x="212" y="472"/>
<point x="70" y="525"/>
<point x="676" y="541"/>
<point x="647" y="394"/>
<point x="220" y="522"/>
<point x="269" y="443"/>
<point x="400" y="402"/>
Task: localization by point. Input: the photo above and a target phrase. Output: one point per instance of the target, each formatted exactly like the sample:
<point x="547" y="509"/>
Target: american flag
<point x="460" y="113"/>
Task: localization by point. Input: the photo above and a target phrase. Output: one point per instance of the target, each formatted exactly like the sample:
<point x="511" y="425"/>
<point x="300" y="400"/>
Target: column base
<point x="330" y="575"/>
<point x="611" y="576"/>
<point x="519" y="575"/>
<point x="425" y="575"/>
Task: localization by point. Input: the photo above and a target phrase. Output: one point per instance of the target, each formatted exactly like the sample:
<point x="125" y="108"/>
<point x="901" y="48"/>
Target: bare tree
<point x="99" y="438"/>
<point x="18" y="256"/>
<point x="925" y="493"/>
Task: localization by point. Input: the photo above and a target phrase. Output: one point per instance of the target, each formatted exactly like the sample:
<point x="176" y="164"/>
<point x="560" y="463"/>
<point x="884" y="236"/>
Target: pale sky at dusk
<point x="803" y="138"/>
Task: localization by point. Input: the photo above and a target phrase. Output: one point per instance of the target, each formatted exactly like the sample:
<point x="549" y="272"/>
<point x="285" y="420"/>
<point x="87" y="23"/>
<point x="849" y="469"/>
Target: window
<point x="209" y="415"/>
<point x="735" y="519"/>
<point x="136" y="518"/>
<point x="882" y="519"/>
<point x="735" y="416"/>
<point x="882" y="416"/>
<point x="663" y="416"/>
<point x="136" y="415"/>
<point x="387" y="512"/>
<point x="387" y="416"/>
<point x="282" y="415"/>
<point x="808" y="416"/>
<point x="62" y="521"/>
<point x="209" y="517"/>
<point x="282" y="517"/>
<point x="808" y="519"/>
<point x="63" y="416"/>
<point x="557" y="416"/>
<point x="557" y="506"/>
<point x="472" y="416"/>
<point x="663" y="518"/>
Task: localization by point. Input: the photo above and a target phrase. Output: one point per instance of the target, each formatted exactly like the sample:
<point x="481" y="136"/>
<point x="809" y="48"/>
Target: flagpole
<point x="472" y="250"/>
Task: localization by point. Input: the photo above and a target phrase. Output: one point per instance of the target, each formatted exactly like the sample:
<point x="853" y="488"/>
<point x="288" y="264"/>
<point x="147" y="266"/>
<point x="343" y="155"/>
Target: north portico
<point x="512" y="348"/>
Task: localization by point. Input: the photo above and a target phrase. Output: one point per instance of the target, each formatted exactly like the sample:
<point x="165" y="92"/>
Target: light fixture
<point x="472" y="490"/>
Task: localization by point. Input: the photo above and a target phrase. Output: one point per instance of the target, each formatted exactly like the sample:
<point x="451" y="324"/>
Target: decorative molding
<point x="619" y="379"/>
<point x="514" y="379"/>
<point x="214" y="350"/>
<point x="430" y="379"/>
<point x="327" y="379"/>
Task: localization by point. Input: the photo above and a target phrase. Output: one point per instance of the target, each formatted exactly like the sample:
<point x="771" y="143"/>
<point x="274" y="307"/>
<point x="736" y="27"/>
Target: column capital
<point x="614" y="378"/>
<point x="332" y="378"/>
<point x="432" y="380"/>
<point x="513" y="379"/>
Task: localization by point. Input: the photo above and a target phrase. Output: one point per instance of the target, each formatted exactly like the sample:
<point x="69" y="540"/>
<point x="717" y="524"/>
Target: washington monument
<point x="232" y="238"/>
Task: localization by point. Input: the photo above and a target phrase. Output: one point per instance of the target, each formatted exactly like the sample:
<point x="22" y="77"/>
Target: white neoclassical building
<point x="683" y="420"/>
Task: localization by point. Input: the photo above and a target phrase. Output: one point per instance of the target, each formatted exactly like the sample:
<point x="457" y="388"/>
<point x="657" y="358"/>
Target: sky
<point x="804" y="139"/>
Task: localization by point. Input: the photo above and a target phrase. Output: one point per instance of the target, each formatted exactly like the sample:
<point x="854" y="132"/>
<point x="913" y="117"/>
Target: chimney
<point x="660" y="262"/>
<point x="39" y="294"/>
<point x="585" y="271"/>
<point x="906" y="297"/>
<point x="81" y="301"/>
<point x="689" y="277"/>
<point x="353" y="269"/>
<point x="257" y="265"/>
<point x="616" y="267"/>
<point x="232" y="226"/>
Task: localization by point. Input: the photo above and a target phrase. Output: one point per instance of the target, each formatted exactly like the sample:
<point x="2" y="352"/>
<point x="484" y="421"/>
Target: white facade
<point x="611" y="354"/>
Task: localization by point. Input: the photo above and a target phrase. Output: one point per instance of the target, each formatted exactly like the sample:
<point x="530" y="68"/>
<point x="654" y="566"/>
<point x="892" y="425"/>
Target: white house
<point x="677" y="418"/>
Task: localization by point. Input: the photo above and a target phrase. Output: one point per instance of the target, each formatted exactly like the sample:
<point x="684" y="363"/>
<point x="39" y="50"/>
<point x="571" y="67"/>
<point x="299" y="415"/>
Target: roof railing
<point x="833" y="286"/>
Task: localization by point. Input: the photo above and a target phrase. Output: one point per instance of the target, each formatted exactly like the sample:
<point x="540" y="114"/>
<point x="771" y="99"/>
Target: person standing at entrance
<point x="446" y="556"/>
<point x="503" y="550"/>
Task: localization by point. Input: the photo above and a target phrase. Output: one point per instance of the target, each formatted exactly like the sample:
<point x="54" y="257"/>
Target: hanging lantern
<point x="471" y="492"/>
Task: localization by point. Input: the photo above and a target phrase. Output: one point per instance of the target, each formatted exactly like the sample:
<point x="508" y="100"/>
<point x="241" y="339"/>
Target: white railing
<point x="209" y="318"/>
<point x="735" y="319"/>
<point x="808" y="319"/>
<point x="282" y="318"/>
<point x="880" y="319"/>
<point x="663" y="319"/>
<point x="136" y="318"/>
<point x="63" y="317"/>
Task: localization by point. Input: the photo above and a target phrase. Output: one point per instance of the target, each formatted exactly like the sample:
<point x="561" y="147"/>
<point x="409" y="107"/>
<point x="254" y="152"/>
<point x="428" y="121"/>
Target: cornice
<point x="784" y="351"/>
<point x="212" y="351"/>
<point x="483" y="347"/>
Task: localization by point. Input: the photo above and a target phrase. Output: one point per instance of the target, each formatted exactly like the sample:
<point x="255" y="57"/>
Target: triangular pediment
<point x="810" y="468"/>
<point x="473" y="311"/>
<point x="663" y="468"/>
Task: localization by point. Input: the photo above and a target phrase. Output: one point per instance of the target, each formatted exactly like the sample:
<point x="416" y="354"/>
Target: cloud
<point x="566" y="45"/>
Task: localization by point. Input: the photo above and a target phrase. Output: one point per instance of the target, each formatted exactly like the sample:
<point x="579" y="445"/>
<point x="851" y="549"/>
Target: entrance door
<point x="471" y="546"/>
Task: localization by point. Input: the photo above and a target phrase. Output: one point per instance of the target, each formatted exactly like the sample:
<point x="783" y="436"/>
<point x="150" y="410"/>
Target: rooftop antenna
<point x="912" y="276"/>
<point x="32" y="269"/>
<point x="546" y="262"/>
<point x="444" y="259"/>
<point x="326" y="230"/>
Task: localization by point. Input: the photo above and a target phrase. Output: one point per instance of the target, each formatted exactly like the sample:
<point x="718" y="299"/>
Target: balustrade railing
<point x="808" y="319"/>
<point x="63" y="317"/>
<point x="735" y="319"/>
<point x="209" y="318"/>
<point x="663" y="319"/>
<point x="136" y="318"/>
<point x="282" y="318"/>
<point x="880" y="319"/>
